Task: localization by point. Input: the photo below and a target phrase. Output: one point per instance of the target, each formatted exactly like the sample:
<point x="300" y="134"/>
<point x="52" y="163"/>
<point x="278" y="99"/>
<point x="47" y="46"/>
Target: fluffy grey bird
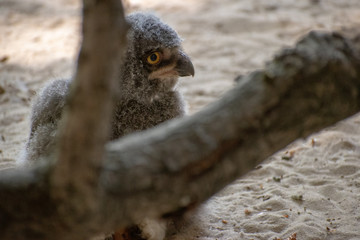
<point x="147" y="95"/>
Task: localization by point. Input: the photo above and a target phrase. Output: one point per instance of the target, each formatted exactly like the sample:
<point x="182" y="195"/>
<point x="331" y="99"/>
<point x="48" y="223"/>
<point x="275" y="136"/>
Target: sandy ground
<point x="315" y="193"/>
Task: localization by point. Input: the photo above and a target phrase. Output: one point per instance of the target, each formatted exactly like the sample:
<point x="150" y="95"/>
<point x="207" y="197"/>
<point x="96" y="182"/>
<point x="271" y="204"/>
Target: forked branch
<point x="179" y="163"/>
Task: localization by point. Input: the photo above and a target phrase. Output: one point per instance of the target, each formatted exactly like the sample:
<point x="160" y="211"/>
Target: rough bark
<point x="182" y="162"/>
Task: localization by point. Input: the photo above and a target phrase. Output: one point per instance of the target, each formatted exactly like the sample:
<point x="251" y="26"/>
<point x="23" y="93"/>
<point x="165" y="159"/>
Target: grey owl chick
<point x="147" y="95"/>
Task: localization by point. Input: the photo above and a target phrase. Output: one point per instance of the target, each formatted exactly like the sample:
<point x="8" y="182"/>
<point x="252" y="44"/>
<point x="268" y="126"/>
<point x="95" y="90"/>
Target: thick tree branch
<point x="302" y="90"/>
<point x="85" y="127"/>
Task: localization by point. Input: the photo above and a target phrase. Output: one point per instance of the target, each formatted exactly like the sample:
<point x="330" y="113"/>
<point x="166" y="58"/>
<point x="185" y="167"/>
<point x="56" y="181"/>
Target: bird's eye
<point x="154" y="58"/>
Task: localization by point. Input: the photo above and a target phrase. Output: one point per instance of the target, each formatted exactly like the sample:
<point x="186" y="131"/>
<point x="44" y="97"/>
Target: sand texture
<point x="311" y="188"/>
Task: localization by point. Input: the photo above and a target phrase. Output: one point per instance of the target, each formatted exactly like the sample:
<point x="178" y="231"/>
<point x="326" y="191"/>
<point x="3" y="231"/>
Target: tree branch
<point x="303" y="90"/>
<point x="85" y="127"/>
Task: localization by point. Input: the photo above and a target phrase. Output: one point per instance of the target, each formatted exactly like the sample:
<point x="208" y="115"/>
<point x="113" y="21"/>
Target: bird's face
<point x="154" y="60"/>
<point x="163" y="66"/>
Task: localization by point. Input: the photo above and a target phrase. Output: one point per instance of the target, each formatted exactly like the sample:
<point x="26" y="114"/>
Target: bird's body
<point x="131" y="115"/>
<point x="146" y="94"/>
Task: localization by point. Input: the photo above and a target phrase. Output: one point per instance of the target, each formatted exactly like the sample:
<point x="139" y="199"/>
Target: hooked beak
<point x="184" y="66"/>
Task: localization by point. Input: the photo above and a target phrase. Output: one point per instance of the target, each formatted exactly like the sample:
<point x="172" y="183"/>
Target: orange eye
<point x="154" y="58"/>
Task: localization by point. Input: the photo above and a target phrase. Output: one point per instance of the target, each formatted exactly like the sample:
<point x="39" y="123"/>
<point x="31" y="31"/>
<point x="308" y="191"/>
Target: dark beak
<point x="184" y="65"/>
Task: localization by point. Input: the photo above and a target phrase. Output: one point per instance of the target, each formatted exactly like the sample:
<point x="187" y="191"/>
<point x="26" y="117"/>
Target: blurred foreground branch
<point x="182" y="162"/>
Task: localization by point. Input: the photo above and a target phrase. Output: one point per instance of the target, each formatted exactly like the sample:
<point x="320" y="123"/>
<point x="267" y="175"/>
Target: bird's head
<point x="154" y="59"/>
